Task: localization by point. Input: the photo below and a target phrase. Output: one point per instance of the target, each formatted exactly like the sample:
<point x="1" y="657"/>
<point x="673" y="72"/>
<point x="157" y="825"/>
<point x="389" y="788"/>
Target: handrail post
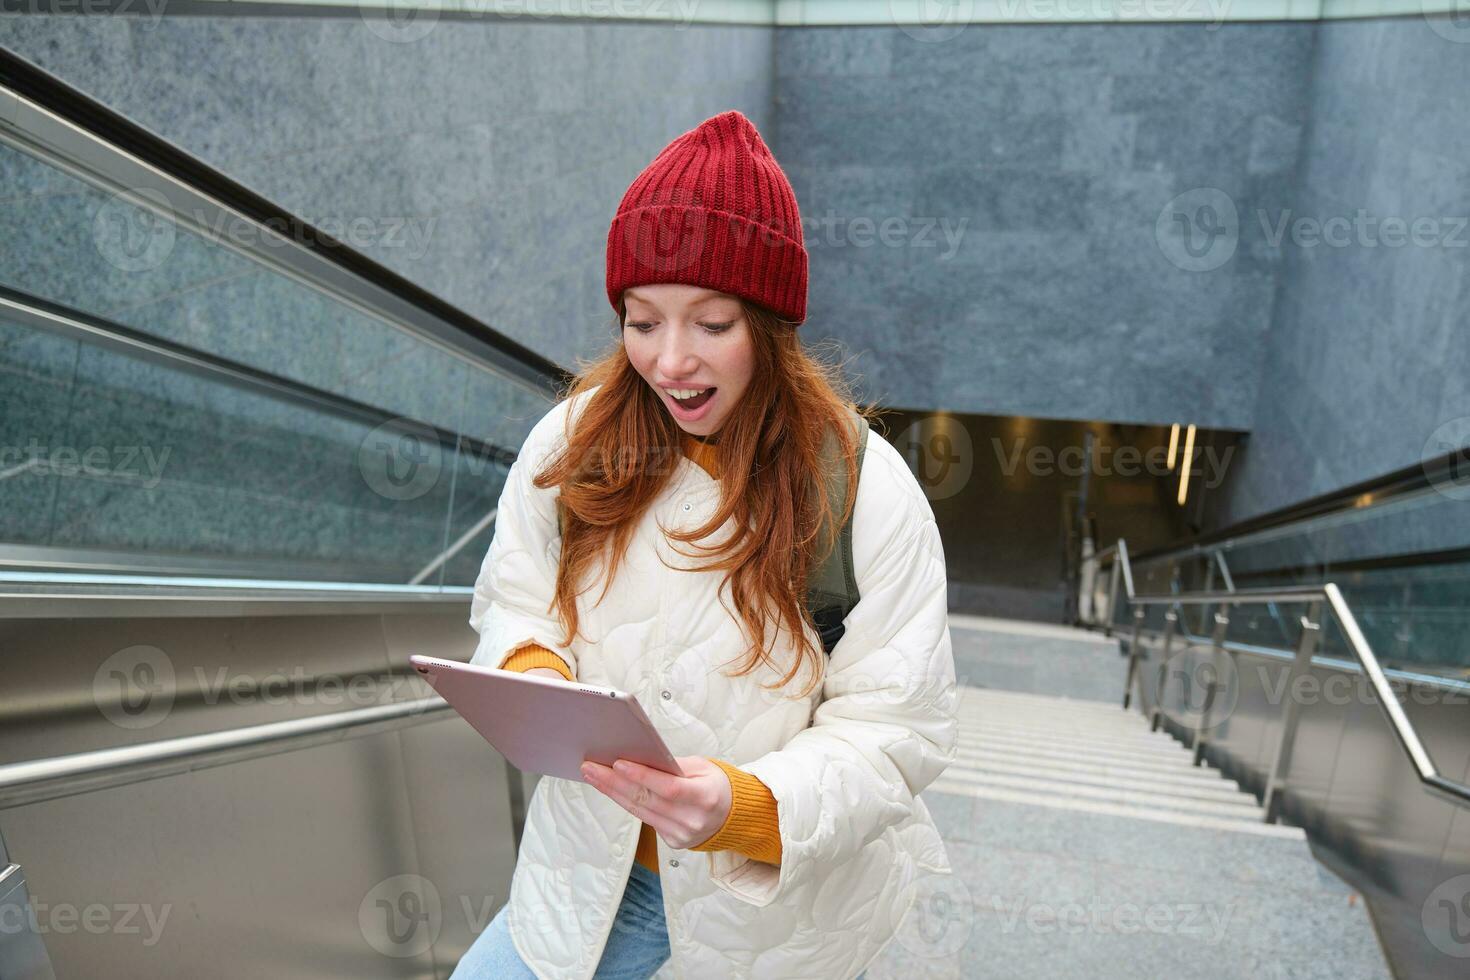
<point x="1113" y="577"/>
<point x="1291" y="714"/>
<point x="1204" y="611"/>
<point x="1156" y="713"/>
<point x="1217" y="648"/>
<point x="1138" y="614"/>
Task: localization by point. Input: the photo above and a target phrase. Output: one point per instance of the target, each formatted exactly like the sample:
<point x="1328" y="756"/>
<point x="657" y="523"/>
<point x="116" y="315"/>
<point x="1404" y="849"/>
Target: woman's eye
<point x="718" y="327"/>
<point x="641" y="327"/>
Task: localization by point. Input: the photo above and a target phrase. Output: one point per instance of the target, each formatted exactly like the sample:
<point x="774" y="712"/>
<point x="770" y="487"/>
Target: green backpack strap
<point x="832" y="590"/>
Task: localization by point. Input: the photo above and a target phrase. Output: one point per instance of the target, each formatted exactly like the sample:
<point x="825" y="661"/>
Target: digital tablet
<point x="548" y="725"/>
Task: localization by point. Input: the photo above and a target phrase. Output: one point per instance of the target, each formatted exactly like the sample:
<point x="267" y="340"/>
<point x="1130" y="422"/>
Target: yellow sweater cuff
<point x="536" y="655"/>
<point x="752" y="827"/>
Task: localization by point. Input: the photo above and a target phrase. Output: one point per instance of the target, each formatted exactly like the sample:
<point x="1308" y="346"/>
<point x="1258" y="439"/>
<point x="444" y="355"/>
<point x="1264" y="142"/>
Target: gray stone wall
<point x="1051" y="152"/>
<point x="1366" y="364"/>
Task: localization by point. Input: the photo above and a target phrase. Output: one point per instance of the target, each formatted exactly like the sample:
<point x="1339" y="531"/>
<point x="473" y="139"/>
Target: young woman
<point x="657" y="534"/>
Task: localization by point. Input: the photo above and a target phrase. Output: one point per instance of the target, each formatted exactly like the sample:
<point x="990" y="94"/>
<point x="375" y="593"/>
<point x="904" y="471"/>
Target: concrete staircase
<point x="1090" y="758"/>
<point x="1085" y="845"/>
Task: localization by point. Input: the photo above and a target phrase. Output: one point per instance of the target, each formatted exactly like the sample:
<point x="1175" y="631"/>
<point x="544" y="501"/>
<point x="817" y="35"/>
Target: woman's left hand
<point x="686" y="810"/>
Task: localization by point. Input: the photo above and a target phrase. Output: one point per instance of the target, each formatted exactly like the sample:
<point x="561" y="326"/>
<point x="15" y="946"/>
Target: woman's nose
<point x="676" y="358"/>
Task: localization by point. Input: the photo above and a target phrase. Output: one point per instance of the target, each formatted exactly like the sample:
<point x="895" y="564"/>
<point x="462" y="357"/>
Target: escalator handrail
<point x="83" y="772"/>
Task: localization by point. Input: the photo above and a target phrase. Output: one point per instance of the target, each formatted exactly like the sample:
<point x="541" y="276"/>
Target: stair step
<point x="960" y="787"/>
<point x="1079" y="739"/>
<point x="1076" y="754"/>
<point x="1076" y="706"/>
<point x="1183" y="774"/>
<point x="1220" y="789"/>
<point x="1244" y="809"/>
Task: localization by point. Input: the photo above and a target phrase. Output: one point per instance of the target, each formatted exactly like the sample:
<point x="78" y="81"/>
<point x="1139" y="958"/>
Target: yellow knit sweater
<point x="751" y="827"/>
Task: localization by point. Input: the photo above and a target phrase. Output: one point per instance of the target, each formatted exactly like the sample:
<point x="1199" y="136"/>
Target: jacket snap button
<point x="673" y="862"/>
<point x="667" y="695"/>
<point x="688" y="505"/>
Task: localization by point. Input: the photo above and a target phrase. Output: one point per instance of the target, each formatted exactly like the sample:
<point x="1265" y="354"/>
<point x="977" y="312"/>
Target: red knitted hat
<point x="713" y="209"/>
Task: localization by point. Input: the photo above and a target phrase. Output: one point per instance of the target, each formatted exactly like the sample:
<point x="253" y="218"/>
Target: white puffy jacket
<point x="845" y="763"/>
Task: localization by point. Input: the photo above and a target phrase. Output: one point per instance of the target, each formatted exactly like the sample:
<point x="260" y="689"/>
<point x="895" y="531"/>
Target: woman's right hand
<point x="545" y="672"/>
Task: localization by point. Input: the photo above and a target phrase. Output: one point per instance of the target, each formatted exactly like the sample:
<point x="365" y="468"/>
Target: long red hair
<point x="623" y="449"/>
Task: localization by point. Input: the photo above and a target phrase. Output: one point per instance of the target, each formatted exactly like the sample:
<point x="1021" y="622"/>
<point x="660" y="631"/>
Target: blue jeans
<point x="636" y="947"/>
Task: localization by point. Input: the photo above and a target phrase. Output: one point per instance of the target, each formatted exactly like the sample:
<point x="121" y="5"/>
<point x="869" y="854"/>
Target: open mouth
<point x="691" y="404"/>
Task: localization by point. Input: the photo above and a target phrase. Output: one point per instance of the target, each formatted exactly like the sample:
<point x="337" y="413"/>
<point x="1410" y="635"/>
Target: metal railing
<point x="83" y="772"/>
<point x="1316" y="598"/>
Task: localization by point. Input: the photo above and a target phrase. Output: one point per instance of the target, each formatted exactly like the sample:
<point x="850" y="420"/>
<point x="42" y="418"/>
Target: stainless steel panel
<point x="377" y="857"/>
